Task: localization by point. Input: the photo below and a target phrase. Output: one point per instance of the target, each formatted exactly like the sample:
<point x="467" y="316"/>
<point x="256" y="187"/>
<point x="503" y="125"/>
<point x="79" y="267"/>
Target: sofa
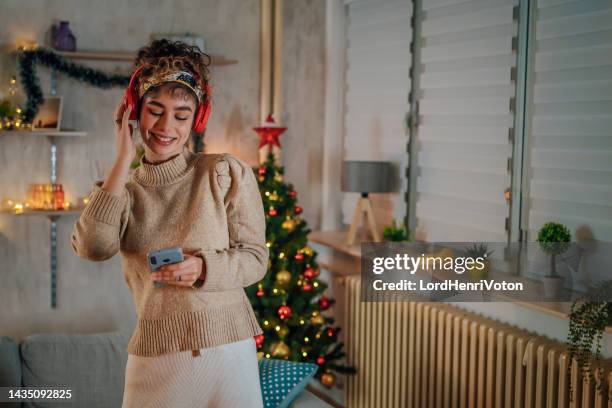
<point x="91" y="365"/>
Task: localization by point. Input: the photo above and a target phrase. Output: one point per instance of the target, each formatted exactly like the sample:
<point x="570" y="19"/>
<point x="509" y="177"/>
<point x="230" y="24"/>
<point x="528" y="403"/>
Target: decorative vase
<point x="62" y="38"/>
<point x="553" y="285"/>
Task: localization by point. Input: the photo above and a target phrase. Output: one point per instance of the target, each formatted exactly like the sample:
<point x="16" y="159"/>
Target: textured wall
<point x="93" y="296"/>
<point x="304" y="102"/>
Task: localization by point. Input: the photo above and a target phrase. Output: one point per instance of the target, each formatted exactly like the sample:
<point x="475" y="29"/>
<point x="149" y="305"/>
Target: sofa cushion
<point x="282" y="381"/>
<point x="91" y="365"/>
<point x="10" y="363"/>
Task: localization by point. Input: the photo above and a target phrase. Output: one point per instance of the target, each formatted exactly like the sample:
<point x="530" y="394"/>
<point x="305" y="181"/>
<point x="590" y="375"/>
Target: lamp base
<point x="362" y="210"/>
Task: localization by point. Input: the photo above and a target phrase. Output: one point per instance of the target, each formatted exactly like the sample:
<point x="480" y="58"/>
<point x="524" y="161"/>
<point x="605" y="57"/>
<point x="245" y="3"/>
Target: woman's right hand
<point x="126" y="148"/>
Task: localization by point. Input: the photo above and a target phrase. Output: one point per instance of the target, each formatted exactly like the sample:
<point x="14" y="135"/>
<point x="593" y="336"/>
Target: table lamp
<point x="365" y="177"/>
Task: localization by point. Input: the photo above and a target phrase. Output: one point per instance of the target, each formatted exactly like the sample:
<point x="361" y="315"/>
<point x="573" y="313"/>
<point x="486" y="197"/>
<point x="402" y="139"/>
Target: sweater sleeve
<point x="97" y="232"/>
<point x="245" y="262"/>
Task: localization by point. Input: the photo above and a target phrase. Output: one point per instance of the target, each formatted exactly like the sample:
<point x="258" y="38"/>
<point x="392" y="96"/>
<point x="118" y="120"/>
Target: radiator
<point x="423" y="354"/>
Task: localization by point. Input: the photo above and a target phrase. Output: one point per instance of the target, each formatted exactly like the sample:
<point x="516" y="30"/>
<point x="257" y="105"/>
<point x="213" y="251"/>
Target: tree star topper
<point x="269" y="133"/>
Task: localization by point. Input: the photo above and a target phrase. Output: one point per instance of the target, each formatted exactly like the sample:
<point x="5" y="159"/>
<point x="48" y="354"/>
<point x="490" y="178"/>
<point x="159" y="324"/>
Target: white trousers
<point x="222" y="376"/>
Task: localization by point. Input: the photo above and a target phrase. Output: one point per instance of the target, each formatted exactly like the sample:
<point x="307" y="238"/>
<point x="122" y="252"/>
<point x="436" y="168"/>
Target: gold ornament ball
<point x="289" y="225"/>
<point x="261" y="179"/>
<point x="318" y="320"/>
<point x="279" y="349"/>
<point x="278" y="178"/>
<point x="283" y="277"/>
<point x="328" y="379"/>
<point x="274" y="196"/>
<point x="307" y="250"/>
<point x="283" y="332"/>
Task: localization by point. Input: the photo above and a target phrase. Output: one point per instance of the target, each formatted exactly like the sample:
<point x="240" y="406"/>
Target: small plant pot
<point x="476" y="274"/>
<point x="552" y="286"/>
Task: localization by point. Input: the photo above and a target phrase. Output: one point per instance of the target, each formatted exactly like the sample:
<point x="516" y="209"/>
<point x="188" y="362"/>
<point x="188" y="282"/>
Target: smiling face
<point x="166" y="118"/>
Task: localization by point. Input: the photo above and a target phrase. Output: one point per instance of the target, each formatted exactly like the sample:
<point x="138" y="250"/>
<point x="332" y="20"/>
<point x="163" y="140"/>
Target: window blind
<point x="377" y="87"/>
<point x="569" y="162"/>
<point x="466" y="117"/>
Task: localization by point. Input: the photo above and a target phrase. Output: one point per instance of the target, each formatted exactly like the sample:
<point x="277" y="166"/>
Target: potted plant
<point x="478" y="251"/>
<point x="396" y="233"/>
<point x="588" y="320"/>
<point x="554" y="239"/>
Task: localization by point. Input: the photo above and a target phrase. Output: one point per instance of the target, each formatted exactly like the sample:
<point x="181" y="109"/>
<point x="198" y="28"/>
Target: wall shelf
<point x="51" y="133"/>
<point x="128" y="56"/>
<point x="52" y="215"/>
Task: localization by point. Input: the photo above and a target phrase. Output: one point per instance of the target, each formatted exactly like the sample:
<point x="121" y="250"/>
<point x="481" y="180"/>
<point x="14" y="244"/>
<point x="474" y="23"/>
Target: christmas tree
<point x="290" y="302"/>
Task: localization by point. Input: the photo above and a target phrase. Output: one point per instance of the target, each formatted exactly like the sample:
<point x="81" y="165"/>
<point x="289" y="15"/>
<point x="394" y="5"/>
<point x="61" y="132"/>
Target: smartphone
<point x="164" y="257"/>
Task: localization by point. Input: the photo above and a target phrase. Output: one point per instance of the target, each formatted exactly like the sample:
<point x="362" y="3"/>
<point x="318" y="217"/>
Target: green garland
<point x="31" y="85"/>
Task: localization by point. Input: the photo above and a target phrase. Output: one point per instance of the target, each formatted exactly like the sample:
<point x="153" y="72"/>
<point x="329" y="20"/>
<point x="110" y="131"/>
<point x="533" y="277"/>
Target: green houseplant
<point x="588" y="320"/>
<point x="478" y="251"/>
<point x="554" y="239"/>
<point x="393" y="232"/>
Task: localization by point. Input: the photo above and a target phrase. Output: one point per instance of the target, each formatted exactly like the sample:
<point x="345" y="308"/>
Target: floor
<point x="308" y="400"/>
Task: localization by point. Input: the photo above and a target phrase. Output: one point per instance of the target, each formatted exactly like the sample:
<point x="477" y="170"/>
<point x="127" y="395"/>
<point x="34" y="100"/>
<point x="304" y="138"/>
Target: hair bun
<point x="162" y="54"/>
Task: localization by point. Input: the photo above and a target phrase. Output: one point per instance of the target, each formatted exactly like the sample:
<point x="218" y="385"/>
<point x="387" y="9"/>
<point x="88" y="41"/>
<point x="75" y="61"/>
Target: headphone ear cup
<point x="131" y="95"/>
<point x="201" y="118"/>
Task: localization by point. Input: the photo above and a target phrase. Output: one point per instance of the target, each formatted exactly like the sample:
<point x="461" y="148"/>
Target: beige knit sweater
<point x="210" y="206"/>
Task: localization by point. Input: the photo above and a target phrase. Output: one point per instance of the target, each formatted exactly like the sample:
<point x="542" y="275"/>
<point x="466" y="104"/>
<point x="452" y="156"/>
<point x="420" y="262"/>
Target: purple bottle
<point x="62" y="38"/>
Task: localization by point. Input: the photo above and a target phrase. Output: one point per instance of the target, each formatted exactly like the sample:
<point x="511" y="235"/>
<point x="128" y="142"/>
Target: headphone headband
<point x="136" y="89"/>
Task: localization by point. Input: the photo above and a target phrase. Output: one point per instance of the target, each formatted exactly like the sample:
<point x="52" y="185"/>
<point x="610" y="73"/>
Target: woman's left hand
<point x="181" y="274"/>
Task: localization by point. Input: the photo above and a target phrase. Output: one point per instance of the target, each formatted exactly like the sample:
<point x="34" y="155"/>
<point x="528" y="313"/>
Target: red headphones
<point x="202" y="111"/>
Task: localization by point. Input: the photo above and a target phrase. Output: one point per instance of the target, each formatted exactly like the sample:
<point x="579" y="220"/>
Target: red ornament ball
<point x="293" y="194"/>
<point x="330" y="332"/>
<point x="260" y="293"/>
<point x="259" y="340"/>
<point x="324" y="303"/>
<point x="262" y="171"/>
<point x="307" y="287"/>
<point x="284" y="312"/>
<point x="320" y="360"/>
<point x="272" y="212"/>
<point x="299" y="256"/>
<point x="297" y="210"/>
<point x="309" y="273"/>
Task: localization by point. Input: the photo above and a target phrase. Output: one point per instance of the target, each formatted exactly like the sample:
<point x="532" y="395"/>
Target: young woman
<point x="193" y="343"/>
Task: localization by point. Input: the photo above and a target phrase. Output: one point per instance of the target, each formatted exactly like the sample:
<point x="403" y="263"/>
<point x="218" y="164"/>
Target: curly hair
<point x="162" y="54"/>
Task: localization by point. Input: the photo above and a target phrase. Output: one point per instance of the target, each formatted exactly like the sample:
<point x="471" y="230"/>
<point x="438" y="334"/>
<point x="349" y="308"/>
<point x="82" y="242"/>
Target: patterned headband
<point x="182" y="77"/>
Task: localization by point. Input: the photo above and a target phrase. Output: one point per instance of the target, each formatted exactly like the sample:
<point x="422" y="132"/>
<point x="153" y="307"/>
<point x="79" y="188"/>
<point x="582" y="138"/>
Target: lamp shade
<point x="367" y="176"/>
